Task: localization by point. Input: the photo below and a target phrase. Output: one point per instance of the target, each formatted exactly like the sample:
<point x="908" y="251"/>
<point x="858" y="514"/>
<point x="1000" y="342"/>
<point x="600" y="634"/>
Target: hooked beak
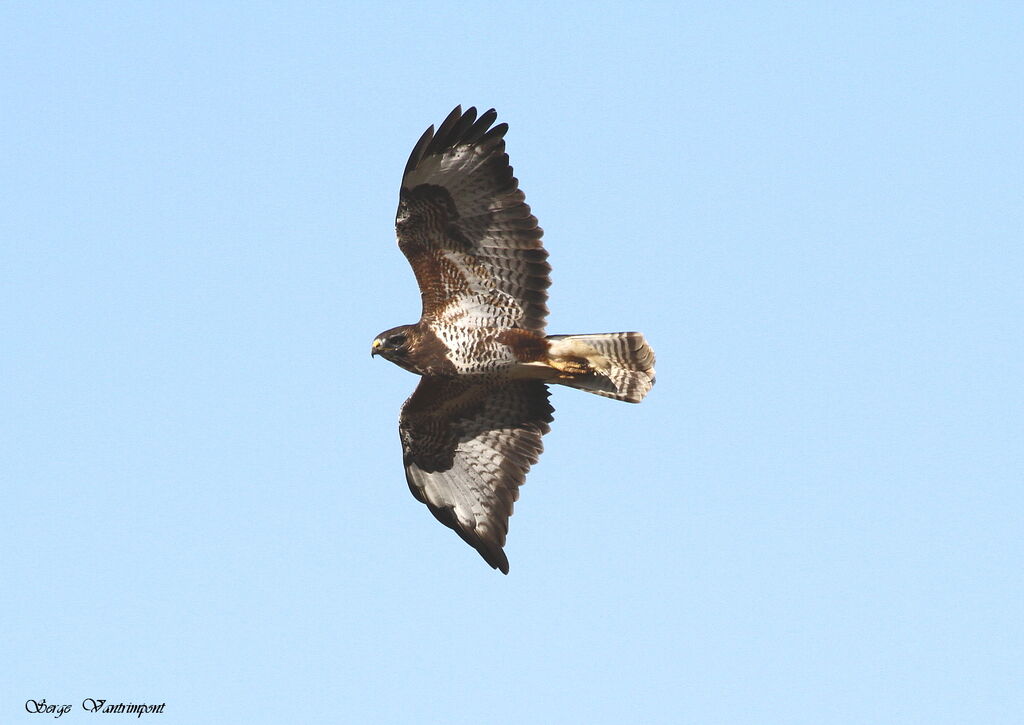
<point x="375" y="348"/>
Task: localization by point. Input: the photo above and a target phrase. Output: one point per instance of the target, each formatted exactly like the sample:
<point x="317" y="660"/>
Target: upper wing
<point x="467" y="448"/>
<point x="466" y="228"/>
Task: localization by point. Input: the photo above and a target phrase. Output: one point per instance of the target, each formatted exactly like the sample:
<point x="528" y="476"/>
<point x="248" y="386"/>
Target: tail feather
<point x="620" y="364"/>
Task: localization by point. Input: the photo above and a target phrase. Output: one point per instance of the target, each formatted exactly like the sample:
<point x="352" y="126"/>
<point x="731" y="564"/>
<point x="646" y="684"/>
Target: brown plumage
<point x="473" y="427"/>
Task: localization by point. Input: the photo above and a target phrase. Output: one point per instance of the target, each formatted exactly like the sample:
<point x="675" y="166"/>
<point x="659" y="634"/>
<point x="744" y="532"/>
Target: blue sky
<point x="814" y="212"/>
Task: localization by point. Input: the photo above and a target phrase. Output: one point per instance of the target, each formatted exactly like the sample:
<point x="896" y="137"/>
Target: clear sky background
<point x="814" y="211"/>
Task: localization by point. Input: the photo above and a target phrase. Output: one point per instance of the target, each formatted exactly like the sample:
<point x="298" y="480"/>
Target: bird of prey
<point x="473" y="426"/>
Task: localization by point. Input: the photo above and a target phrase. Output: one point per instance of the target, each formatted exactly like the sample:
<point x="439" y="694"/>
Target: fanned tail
<point x="617" y="365"/>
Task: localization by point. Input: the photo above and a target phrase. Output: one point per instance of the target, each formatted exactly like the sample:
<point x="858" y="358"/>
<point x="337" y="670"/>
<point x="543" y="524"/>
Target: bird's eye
<point x="396" y="340"/>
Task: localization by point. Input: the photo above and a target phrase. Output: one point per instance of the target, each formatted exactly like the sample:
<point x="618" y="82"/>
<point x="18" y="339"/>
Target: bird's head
<point x="393" y="344"/>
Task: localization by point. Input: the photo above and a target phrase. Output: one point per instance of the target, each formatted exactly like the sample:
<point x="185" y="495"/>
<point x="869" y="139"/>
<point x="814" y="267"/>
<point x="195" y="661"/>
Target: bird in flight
<point x="473" y="426"/>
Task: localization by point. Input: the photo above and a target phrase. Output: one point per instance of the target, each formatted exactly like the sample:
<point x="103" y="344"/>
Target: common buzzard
<point x="473" y="426"/>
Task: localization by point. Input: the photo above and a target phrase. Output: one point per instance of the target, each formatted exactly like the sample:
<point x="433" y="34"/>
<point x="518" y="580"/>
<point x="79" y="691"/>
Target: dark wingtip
<point x="491" y="552"/>
<point x="418" y="150"/>
<point x="444" y="131"/>
<point x="499" y="561"/>
<point x="457" y="128"/>
<point x="479" y="128"/>
<point x="497" y="132"/>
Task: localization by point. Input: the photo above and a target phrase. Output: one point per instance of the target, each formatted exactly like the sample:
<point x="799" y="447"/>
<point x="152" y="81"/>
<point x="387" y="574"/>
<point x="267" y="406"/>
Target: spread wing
<point x="467" y="231"/>
<point x="467" y="448"/>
